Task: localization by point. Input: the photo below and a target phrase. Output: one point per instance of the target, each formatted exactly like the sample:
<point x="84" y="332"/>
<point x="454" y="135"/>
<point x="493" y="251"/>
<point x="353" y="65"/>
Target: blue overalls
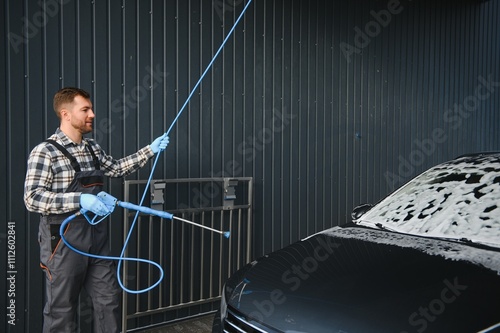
<point x="68" y="272"/>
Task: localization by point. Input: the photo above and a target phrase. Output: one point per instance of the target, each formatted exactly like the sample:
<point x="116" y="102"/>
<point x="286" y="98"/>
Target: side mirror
<point x="360" y="210"/>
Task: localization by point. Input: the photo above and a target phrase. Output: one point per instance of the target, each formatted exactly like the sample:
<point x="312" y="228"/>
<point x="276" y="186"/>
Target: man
<point x="64" y="175"/>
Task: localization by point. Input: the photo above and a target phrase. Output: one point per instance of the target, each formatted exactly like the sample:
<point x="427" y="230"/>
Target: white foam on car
<point x="457" y="199"/>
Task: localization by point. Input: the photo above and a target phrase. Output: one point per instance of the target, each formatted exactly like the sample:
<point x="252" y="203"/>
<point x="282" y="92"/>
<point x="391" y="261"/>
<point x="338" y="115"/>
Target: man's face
<point x="80" y="114"/>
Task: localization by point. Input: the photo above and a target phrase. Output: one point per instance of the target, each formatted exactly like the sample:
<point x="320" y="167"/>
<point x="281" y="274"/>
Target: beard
<point x="83" y="127"/>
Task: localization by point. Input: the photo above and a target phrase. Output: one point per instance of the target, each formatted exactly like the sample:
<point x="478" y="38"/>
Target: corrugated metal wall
<point x="326" y="104"/>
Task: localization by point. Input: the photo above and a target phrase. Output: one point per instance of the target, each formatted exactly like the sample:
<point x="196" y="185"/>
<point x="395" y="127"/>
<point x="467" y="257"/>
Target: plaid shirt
<point x="50" y="172"/>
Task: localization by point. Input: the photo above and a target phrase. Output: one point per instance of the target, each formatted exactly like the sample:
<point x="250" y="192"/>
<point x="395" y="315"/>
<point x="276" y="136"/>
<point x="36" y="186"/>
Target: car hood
<point x="335" y="282"/>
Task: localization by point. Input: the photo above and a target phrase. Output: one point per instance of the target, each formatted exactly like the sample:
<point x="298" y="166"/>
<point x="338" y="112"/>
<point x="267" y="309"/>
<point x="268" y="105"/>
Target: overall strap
<point x="74" y="162"/>
<point x="97" y="165"/>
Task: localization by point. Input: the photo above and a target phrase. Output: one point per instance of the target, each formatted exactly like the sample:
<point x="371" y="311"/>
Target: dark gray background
<point x="327" y="104"/>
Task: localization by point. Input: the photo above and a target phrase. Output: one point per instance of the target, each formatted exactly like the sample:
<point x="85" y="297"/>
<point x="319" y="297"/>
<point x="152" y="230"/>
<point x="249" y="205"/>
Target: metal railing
<point x="196" y="261"/>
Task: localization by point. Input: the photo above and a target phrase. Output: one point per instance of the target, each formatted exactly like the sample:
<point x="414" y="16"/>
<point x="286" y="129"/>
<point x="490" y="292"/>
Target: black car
<point x="424" y="259"/>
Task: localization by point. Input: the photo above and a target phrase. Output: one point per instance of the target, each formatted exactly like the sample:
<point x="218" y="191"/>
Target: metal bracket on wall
<point x="158" y="195"/>
<point x="229" y="192"/>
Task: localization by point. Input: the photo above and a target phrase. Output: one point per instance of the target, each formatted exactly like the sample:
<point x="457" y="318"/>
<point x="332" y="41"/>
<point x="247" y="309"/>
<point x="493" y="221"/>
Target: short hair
<point x="66" y="96"/>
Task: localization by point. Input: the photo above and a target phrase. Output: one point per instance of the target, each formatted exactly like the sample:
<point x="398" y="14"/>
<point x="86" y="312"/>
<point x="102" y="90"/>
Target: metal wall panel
<point x="326" y="104"/>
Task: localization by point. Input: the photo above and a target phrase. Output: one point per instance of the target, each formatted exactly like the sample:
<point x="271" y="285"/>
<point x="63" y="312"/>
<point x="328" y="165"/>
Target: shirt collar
<point x="65" y="139"/>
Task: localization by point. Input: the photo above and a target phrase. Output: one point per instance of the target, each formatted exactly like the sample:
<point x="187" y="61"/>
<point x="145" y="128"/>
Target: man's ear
<point x="64" y="114"/>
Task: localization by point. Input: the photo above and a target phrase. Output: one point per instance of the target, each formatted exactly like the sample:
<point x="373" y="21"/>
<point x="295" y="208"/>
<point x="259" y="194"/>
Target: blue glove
<point x="92" y="203"/>
<point x="160" y="143"/>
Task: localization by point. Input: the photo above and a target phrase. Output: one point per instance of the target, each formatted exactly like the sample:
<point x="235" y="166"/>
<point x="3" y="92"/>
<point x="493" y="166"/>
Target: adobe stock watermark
<point x="223" y="6"/>
<point x="248" y="149"/>
<point x="372" y="29"/>
<point x="294" y="277"/>
<point x="11" y="273"/>
<point x="32" y="27"/>
<point x="455" y="116"/>
<point x="130" y="100"/>
<point x="421" y="319"/>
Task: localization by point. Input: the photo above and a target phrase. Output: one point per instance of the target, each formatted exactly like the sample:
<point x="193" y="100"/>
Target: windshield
<point x="458" y="199"/>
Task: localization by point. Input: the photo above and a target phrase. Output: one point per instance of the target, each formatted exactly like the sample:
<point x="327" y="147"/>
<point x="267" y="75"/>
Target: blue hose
<point x="168" y="131"/>
<point x="121" y="258"/>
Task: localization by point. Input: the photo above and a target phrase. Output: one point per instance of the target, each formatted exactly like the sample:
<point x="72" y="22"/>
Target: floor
<point x="197" y="325"/>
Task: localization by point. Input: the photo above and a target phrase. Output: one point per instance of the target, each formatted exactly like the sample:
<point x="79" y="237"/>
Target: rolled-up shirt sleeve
<point x="126" y="165"/>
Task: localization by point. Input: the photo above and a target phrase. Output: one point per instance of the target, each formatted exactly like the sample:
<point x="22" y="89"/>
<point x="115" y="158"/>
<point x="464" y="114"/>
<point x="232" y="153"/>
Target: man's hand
<point x="160" y="143"/>
<point x="92" y="203"/>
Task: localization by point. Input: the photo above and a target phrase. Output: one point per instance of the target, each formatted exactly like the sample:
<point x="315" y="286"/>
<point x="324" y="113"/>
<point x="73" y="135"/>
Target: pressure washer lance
<point x="111" y="202"/>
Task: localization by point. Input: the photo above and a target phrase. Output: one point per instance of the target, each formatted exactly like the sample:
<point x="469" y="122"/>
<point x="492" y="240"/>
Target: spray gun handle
<point x="108" y="200"/>
<point x="89" y="220"/>
<point x="110" y="203"/>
